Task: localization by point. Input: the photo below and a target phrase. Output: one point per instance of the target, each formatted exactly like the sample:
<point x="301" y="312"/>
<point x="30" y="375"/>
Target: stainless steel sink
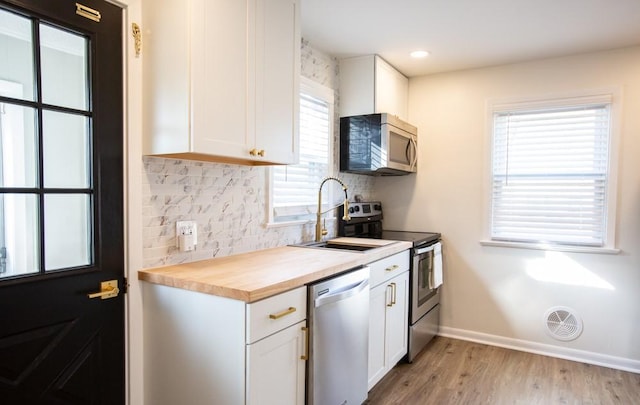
<point x="338" y="246"/>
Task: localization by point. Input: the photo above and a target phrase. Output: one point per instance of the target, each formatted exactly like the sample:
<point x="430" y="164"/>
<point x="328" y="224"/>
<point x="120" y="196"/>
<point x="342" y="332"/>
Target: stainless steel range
<point x="425" y="276"/>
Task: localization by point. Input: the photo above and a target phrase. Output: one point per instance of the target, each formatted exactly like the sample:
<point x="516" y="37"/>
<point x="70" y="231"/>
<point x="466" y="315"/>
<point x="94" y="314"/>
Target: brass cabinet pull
<point x="253" y="152"/>
<point x="108" y="289"/>
<point x="261" y="153"/>
<point x="305" y="356"/>
<point x="283" y="313"/>
<point x="394" y="291"/>
<point x="390" y="304"/>
<point x="392" y="268"/>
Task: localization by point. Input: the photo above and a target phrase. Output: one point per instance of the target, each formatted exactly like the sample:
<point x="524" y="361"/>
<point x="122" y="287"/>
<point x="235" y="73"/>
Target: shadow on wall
<point x="396" y="194"/>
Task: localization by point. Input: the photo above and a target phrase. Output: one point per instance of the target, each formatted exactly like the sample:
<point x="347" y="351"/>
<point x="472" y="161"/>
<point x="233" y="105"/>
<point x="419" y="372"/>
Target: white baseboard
<point x="566" y="353"/>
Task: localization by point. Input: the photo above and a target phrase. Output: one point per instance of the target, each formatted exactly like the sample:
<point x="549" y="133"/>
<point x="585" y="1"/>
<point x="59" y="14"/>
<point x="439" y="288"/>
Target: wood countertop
<point x="261" y="274"/>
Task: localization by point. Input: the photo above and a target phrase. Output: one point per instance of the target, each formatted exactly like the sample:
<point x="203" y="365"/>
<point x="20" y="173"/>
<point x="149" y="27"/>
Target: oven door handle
<point x="435" y="246"/>
<point x="425" y="250"/>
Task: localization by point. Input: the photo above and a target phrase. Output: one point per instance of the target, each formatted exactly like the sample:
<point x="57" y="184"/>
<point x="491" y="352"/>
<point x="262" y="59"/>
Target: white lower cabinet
<point x="276" y="373"/>
<point x="388" y="316"/>
<point x="202" y="349"/>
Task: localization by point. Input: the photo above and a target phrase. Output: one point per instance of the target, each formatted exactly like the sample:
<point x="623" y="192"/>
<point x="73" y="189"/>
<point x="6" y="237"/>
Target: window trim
<point x="326" y="94"/>
<point x="614" y="95"/>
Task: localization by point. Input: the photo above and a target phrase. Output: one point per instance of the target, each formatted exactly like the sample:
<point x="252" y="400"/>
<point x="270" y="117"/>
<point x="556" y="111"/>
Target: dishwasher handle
<point x="340" y="295"/>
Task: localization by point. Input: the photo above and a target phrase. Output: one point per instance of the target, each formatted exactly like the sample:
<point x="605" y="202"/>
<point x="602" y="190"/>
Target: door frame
<point x="132" y="182"/>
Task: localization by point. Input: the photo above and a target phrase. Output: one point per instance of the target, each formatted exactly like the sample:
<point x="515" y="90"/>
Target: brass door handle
<point x="108" y="289"/>
<point x="392" y="268"/>
<point x="390" y="304"/>
<point x="283" y="313"/>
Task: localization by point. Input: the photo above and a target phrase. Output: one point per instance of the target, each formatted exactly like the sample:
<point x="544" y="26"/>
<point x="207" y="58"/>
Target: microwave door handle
<point x="414" y="142"/>
<point x="407" y="153"/>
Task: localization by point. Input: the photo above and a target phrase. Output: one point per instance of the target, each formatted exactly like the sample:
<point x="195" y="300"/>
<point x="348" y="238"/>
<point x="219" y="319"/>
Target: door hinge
<point x="137" y="38"/>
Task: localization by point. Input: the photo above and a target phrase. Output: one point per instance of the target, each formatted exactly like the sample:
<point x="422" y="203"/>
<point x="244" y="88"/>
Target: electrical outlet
<point x="187" y="228"/>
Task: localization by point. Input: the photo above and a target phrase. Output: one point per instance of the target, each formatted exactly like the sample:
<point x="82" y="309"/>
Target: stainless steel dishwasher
<point x="339" y="339"/>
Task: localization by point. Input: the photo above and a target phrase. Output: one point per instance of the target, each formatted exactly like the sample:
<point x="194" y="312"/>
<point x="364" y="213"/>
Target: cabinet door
<point x="392" y="90"/>
<point x="357" y="86"/>
<point x="388" y="326"/>
<point x="397" y="320"/>
<point x="166" y="85"/>
<point x="379" y="298"/>
<point x="276" y="372"/>
<point x="277" y="72"/>
<point x="219" y="84"/>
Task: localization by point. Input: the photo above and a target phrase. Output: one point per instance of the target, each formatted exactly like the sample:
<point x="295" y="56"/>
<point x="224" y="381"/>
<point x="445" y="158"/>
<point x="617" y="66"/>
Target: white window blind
<point x="550" y="173"/>
<point x="295" y="187"/>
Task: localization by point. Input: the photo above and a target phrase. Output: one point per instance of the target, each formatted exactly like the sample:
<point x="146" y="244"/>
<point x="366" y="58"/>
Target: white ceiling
<point x="463" y="34"/>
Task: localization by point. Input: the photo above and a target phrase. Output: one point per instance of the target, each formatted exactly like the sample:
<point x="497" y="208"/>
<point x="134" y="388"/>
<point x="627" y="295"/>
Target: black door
<point x="61" y="203"/>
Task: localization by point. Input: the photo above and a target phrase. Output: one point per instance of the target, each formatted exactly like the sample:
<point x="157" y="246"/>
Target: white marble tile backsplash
<point x="228" y="202"/>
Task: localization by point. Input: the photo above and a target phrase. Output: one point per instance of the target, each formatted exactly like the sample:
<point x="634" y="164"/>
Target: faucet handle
<point x="346" y="216"/>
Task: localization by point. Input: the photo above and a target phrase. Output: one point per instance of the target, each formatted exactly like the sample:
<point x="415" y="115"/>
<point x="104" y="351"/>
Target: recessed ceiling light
<point x="419" y="54"/>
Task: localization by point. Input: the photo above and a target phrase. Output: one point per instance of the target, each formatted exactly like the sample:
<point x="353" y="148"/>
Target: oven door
<point x="425" y="270"/>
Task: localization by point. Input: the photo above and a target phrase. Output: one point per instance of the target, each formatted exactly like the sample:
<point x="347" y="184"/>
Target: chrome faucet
<point x="320" y="230"/>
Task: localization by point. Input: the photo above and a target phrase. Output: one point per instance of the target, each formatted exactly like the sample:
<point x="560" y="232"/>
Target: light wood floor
<point x="453" y="371"/>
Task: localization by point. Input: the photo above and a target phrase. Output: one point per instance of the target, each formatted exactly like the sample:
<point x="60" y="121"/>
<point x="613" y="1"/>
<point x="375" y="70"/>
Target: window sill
<point x="288" y="223"/>
<point x="555" y="248"/>
<point x="272" y="224"/>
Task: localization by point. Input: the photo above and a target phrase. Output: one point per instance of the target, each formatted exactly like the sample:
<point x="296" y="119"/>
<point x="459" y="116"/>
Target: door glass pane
<point x="18" y="167"/>
<point x="64" y="68"/>
<point x="67" y="231"/>
<point x="66" y="150"/>
<point x="16" y="47"/>
<point x="19" y="246"/>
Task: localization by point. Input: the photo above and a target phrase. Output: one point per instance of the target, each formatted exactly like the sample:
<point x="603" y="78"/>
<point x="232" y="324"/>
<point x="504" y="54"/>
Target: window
<point x="47" y="190"/>
<point x="550" y="173"/>
<point x="294" y="188"/>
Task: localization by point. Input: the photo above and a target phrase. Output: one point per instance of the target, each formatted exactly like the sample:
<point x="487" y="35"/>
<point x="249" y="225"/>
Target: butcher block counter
<point x="264" y="273"/>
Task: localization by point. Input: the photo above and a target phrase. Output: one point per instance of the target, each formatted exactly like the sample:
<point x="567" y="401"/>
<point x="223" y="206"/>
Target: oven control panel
<point x="365" y="209"/>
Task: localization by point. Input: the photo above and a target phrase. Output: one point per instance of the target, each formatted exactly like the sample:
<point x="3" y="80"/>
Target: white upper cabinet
<point x="221" y="80"/>
<point x="368" y="85"/>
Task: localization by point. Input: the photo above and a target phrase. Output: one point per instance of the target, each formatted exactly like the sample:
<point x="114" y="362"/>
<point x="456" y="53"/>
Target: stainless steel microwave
<point x="378" y="144"/>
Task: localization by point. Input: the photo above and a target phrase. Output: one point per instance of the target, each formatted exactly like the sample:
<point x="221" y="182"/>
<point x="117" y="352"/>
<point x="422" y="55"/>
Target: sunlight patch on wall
<point x="556" y="267"/>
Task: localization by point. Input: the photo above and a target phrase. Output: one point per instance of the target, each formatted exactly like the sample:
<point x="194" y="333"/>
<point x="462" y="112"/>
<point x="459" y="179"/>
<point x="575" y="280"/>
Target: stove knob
<point x="377" y="207"/>
<point x="351" y="210"/>
<point x="357" y="208"/>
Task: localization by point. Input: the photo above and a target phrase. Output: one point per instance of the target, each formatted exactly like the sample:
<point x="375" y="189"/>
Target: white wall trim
<point x="598" y="359"/>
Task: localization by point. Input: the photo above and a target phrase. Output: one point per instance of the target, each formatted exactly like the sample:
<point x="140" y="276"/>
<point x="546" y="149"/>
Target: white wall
<point x="504" y="292"/>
